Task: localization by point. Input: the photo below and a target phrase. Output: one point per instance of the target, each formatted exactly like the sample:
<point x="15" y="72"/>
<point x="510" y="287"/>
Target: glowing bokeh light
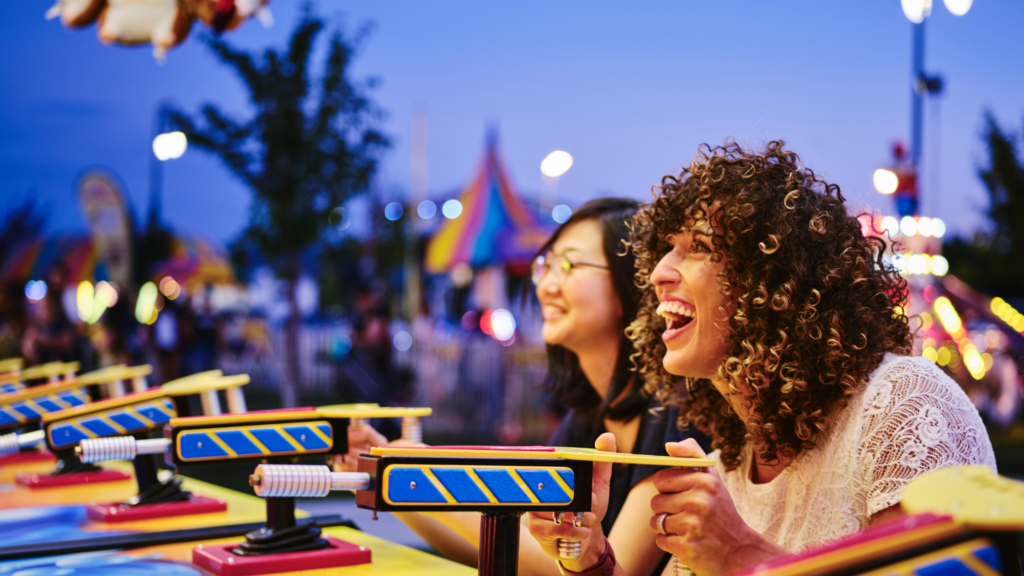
<point x="916" y="10"/>
<point x="908" y="226"/>
<point x="393" y="211"/>
<point x="35" y="290"/>
<point x="145" y="306"/>
<point x="561" y="214"/>
<point x="503" y="325"/>
<point x="556" y="164"/>
<point x="426" y="209"/>
<point x="886" y="181"/>
<point x="891" y="225"/>
<point x="940" y="266"/>
<point x="958" y="7"/>
<point x="170" y="145"/>
<point x="452" y="209"/>
<point x="84" y="299"/>
<point x="402" y="341"/>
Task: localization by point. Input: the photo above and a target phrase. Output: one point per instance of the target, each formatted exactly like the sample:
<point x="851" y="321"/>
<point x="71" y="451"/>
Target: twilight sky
<point x="629" y="89"/>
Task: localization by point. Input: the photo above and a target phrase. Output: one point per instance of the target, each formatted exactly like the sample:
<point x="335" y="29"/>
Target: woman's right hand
<point x="360" y="440"/>
<point x="547" y="533"/>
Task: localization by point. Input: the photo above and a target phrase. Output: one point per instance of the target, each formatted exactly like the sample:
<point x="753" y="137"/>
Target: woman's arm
<point x="631" y="537"/>
<point x="446" y="541"/>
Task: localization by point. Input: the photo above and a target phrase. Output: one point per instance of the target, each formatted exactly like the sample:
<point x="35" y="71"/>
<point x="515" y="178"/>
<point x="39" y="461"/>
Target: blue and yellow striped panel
<point x="978" y="557"/>
<point x="472" y="486"/>
<point x="233" y="442"/>
<point x="8" y="387"/>
<point x="115" y="422"/>
<point x="32" y="409"/>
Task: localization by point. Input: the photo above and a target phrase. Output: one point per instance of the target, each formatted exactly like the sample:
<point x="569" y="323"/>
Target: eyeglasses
<point x="559" y="266"/>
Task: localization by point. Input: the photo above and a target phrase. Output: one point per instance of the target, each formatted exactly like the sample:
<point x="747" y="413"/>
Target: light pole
<point x="166" y="146"/>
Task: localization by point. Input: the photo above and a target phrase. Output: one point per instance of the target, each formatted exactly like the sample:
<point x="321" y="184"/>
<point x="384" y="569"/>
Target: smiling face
<point x="584" y="311"/>
<point x="695" y="310"/>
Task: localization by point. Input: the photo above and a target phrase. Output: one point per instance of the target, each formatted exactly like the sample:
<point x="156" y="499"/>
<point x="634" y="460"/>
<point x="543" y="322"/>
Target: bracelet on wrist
<point x="604" y="566"/>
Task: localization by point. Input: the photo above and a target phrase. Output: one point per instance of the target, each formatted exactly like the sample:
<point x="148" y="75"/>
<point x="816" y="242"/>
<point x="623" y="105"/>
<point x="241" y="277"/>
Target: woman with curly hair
<point x="788" y="330"/>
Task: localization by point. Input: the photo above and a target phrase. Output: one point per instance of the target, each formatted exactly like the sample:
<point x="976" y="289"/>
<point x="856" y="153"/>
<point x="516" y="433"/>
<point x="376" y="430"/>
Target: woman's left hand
<point x="702" y="526"/>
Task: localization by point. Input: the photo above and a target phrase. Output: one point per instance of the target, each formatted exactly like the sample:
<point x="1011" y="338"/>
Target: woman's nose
<point x="664" y="273"/>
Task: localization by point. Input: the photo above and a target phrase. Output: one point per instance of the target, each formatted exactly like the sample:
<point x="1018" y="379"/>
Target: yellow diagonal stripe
<point x="561" y="483"/>
<point x="288" y="438"/>
<point x="131" y="412"/>
<point x="480" y="484"/>
<point x="529" y="493"/>
<point x="316" y="430"/>
<point x="213" y="436"/>
<point x="255" y="441"/>
<point x="440" y="487"/>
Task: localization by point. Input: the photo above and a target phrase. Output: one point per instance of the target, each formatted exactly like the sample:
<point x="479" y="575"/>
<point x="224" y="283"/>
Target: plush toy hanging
<point x="162" y="23"/>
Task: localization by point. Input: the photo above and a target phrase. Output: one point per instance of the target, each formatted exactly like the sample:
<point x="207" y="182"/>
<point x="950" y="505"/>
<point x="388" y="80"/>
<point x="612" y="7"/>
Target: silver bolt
<point x="412" y="485"/>
<point x="231" y="560"/>
<point x="540" y="486"/>
<point x="362" y="548"/>
<point x="302" y="438"/>
<point x="200" y="546"/>
<point x="199" y="444"/>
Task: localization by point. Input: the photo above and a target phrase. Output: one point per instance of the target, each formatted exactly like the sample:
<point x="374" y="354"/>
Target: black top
<point x="655" y="430"/>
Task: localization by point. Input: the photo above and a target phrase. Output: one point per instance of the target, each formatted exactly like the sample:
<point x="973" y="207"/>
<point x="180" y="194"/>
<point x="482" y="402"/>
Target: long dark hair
<point x="565" y="380"/>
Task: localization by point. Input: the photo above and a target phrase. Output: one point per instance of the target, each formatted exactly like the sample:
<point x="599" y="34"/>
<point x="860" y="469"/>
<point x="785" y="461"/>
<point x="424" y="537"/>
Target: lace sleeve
<point x="915" y="419"/>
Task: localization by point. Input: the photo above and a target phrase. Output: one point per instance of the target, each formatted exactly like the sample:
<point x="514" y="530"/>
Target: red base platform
<point x="30" y="457"/>
<point x="121" y="513"/>
<point x="58" y="480"/>
<point x="221" y="561"/>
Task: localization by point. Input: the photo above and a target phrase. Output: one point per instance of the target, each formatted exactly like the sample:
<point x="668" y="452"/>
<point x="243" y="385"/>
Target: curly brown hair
<point x="817" y="308"/>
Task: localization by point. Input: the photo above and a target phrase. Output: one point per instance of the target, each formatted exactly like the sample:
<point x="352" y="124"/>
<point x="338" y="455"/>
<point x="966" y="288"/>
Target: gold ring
<point x="661" y="523"/>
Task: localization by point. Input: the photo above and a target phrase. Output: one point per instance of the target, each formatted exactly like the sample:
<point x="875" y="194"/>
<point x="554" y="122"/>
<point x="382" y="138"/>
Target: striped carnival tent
<point x="195" y="261"/>
<point x="495" y="226"/>
<point x="33" y="260"/>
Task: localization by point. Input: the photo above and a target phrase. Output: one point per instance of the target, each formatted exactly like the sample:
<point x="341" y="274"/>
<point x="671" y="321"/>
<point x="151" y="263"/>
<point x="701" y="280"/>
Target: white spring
<point x="412" y="429"/>
<point x="292" y="480"/>
<point x="9" y="444"/>
<point x="211" y="403"/>
<point x="116" y="388"/>
<point x="236" y="400"/>
<point x="679" y="568"/>
<point x="139" y="384"/>
<point x="354" y="423"/>
<point x="105" y="449"/>
<point x="569" y="548"/>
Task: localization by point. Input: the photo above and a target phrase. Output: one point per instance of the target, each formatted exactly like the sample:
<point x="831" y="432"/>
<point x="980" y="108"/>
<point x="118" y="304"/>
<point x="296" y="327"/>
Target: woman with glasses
<point x="584" y="281"/>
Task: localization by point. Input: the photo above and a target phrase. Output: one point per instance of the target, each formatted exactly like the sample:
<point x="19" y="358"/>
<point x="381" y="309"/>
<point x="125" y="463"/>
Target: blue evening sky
<point x="628" y="88"/>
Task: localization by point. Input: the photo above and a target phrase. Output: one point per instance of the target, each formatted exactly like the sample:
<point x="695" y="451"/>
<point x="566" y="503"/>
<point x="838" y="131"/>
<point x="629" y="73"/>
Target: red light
<point x="485" y="322"/>
<point x="930" y="293"/>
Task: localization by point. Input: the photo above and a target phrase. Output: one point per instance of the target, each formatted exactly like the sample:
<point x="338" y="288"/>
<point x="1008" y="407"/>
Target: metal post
<point x="499" y="543"/>
<point x="917" y="93"/>
<point x="280" y="513"/>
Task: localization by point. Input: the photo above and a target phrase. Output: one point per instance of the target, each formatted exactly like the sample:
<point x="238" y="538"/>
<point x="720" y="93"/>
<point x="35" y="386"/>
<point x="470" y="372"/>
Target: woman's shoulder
<point x="899" y="379"/>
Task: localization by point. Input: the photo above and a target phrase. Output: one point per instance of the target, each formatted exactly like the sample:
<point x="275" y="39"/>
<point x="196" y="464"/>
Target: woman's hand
<point x="701" y="526"/>
<point x="360" y="440"/>
<point x="547" y="533"/>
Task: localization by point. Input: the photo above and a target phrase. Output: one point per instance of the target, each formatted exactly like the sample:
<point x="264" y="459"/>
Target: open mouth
<point x="677" y="315"/>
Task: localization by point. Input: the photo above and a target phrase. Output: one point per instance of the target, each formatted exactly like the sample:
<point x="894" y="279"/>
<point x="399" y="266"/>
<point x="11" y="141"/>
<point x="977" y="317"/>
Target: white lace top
<point x="909" y="419"/>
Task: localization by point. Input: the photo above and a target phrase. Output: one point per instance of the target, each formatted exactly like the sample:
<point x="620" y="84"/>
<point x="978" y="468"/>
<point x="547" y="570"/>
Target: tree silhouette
<point x="308" y="149"/>
<point x="993" y="261"/>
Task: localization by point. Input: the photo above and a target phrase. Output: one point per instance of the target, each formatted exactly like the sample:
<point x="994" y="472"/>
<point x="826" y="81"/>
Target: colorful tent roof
<point x="195" y="261"/>
<point x="495" y="227"/>
<point x="34" y="260"/>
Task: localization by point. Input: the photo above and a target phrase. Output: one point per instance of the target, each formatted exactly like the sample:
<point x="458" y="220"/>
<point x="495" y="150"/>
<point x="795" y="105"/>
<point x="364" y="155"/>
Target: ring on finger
<point x="661" y="523"/>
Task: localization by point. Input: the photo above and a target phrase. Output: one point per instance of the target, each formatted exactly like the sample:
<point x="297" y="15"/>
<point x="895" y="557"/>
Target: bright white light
<point x="503" y="325"/>
<point x="908" y="226"/>
<point x="426" y="209"/>
<point x="393" y="211"/>
<point x="958" y="7"/>
<point x="899" y="262"/>
<point x="561" y="213"/>
<point x="402" y="341"/>
<point x="917" y="264"/>
<point x="938" y="228"/>
<point x="84" y="299"/>
<point x="886" y="181"/>
<point x="452" y="209"/>
<point x="891" y="225"/>
<point x="556" y="164"/>
<point x="925" y="226"/>
<point x="35" y="290"/>
<point x="916" y="10"/>
<point x="939" y="266"/>
<point x="170" y="145"/>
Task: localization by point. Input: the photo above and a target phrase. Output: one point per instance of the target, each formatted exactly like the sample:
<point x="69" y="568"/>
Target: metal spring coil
<point x="412" y="429"/>
<point x="680" y="569"/>
<point x="211" y="403"/>
<point x="105" y="449"/>
<point x="569" y="548"/>
<point x="295" y="480"/>
<point x="236" y="400"/>
<point x="9" y="444"/>
<point x="354" y="423"/>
